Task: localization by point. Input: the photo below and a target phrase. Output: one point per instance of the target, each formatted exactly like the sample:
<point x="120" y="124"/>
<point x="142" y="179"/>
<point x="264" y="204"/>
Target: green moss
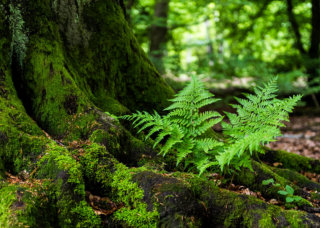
<point x="110" y="104"/>
<point x="109" y="139"/>
<point x="21" y="140"/>
<point x="87" y="217"/>
<point x="58" y="158"/>
<point x="135" y="212"/>
<point x="97" y="164"/>
<point x="70" y="70"/>
<point x="274" y="217"/>
<point x="297" y="178"/>
<point x="7" y="197"/>
<point x="22" y="206"/>
<point x="124" y="73"/>
<point x="291" y="161"/>
<point x="234" y="210"/>
<point x="262" y="172"/>
<point x="103" y="170"/>
<point x="56" y="97"/>
<point x="259" y="215"/>
<point x="295" y="218"/>
<point x="266" y="220"/>
<point x="67" y="188"/>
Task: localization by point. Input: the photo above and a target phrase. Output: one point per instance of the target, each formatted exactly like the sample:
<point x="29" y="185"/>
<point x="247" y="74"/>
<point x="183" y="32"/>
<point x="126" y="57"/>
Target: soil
<point x="301" y="136"/>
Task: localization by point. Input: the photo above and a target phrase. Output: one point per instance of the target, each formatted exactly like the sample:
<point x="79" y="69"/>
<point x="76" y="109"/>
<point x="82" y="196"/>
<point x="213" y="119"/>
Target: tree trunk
<point x="65" y="162"/>
<point x="129" y="6"/>
<point x="158" y="33"/>
<point x="295" y="27"/>
<point x="313" y="67"/>
<point x="311" y="57"/>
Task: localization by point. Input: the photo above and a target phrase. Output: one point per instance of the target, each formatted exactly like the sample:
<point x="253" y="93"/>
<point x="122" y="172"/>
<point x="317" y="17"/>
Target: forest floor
<point x="300" y="136"/>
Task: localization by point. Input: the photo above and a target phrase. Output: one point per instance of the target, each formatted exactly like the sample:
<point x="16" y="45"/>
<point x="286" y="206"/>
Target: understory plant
<point x="287" y="191"/>
<point x="185" y="129"/>
<point x="257" y="122"/>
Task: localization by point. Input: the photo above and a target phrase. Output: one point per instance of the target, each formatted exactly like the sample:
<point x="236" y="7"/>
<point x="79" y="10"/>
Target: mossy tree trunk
<point x="63" y="65"/>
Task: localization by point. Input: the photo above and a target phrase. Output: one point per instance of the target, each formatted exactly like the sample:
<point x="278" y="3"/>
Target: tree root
<point x="291" y="161"/>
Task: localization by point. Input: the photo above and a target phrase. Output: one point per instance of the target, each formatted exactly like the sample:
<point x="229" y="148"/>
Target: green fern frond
<point x="184" y="150"/>
<point x="256" y="123"/>
<point x="182" y="129"/>
<point x="207" y="144"/>
<point x="203" y="164"/>
<point x="176" y="136"/>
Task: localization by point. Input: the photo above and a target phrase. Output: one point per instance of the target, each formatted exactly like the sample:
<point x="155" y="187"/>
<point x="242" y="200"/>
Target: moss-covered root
<point x="297" y="178"/>
<point x="106" y="176"/>
<point x="253" y="180"/>
<point x="233" y="210"/>
<point x="25" y="206"/>
<point x="119" y="141"/>
<point x="190" y="201"/>
<point x="291" y="160"/>
<point x="152" y="199"/>
<point x="65" y="187"/>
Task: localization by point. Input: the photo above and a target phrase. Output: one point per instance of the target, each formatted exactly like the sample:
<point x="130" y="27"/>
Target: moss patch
<point x="135" y="212"/>
<point x="67" y="188"/>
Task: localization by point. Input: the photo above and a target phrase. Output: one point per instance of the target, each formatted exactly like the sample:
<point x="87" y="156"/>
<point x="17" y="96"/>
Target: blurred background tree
<point x="233" y="40"/>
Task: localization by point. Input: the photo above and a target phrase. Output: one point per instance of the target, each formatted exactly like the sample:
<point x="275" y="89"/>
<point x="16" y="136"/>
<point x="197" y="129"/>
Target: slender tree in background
<point x="315" y="39"/>
<point x="129" y="6"/>
<point x="313" y="53"/>
<point x="158" y="33"/>
<point x="311" y="56"/>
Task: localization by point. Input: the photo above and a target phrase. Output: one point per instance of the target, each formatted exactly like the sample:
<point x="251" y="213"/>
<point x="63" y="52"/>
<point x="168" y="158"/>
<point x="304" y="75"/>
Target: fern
<point x="257" y="122"/>
<point x="182" y="129"/>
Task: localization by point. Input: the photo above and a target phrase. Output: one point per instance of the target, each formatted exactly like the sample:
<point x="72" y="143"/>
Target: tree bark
<point x="313" y="67"/>
<point x="295" y="27"/>
<point x="65" y="160"/>
<point x="315" y="34"/>
<point x="129" y="5"/>
<point x="158" y="33"/>
<point x="310" y="57"/>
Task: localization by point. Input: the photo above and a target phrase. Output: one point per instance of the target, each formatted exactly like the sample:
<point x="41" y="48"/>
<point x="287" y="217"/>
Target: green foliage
<point x="135" y="212"/>
<point x="59" y="158"/>
<point x="87" y="217"/>
<point x="19" y="37"/>
<point x="183" y="130"/>
<point x="73" y="209"/>
<point x="245" y="39"/>
<point x="288" y="191"/>
<point x="270" y="181"/>
<point x="257" y="122"/>
<point x="8" y="196"/>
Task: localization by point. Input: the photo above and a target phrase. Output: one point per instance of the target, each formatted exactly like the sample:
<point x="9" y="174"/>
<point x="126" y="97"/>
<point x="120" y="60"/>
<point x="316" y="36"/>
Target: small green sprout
<point x="270" y="181"/>
<point x="288" y="192"/>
